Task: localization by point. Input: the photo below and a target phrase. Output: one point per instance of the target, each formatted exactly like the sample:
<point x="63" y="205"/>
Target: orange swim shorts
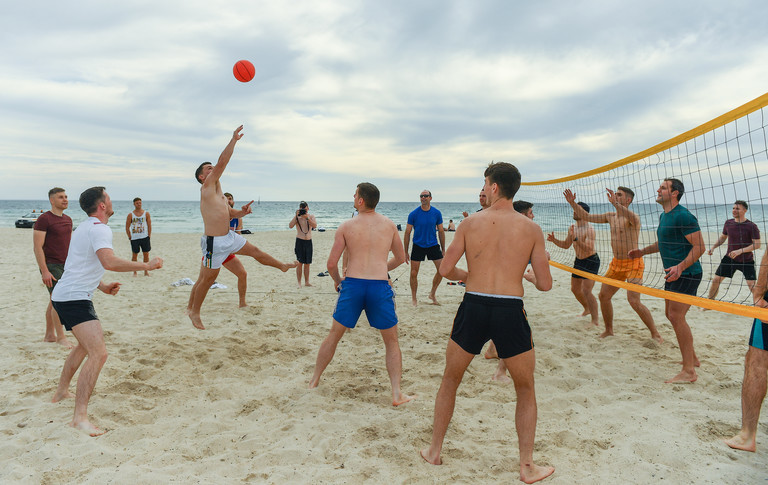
<point x="626" y="269"/>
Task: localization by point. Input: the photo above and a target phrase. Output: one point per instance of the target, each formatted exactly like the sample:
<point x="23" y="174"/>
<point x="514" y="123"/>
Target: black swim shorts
<point x="728" y="268"/>
<point x="432" y="253"/>
<point x="590" y="264"/>
<point x="72" y="313"/>
<point x="482" y="318"/>
<point x="142" y="244"/>
<point x="56" y="269"/>
<point x="685" y="284"/>
<point x="303" y="250"/>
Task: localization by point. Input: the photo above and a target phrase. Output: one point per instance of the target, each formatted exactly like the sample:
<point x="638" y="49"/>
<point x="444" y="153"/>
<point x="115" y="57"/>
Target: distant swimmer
<point x="680" y="245"/>
<point x="497" y="244"/>
<point x="90" y="254"/>
<point x="582" y="237"/>
<point x="625" y="233"/>
<point x="368" y="238"/>
<point x="219" y="240"/>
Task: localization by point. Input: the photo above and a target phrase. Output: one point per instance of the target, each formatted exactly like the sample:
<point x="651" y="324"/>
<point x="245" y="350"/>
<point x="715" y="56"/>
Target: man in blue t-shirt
<point x="424" y="221"/>
<point x="681" y="245"/>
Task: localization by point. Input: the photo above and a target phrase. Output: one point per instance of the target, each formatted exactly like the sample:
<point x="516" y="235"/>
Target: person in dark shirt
<point x="50" y="240"/>
<point x="743" y="239"/>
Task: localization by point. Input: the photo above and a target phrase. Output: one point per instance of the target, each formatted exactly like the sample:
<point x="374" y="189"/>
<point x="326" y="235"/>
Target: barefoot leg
<point x="456" y="362"/>
<point x="326" y="352"/>
<point x="394" y="365"/>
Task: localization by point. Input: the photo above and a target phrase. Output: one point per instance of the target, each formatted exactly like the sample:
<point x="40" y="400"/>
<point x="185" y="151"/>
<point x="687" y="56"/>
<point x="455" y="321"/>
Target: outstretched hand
<point x="611" y="195"/>
<point x="570" y="196"/>
<point x="551" y="237"/>
<point x="247" y="208"/>
<point x="237" y="135"/>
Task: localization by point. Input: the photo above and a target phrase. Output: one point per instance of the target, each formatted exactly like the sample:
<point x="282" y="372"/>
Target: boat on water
<point x="27" y="221"/>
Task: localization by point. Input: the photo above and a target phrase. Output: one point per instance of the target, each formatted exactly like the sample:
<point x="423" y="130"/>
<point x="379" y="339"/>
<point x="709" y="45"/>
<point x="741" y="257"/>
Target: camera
<point x="302" y="212"/>
<point x="302" y="208"/>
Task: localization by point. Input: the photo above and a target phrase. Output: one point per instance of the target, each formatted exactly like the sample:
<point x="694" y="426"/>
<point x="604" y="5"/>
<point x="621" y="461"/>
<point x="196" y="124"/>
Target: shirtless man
<point x="90" y="254"/>
<point x="233" y="263"/>
<point x="304" y="222"/>
<point x="498" y="244"/>
<point x="582" y="236"/>
<point x="219" y="240"/>
<point x="368" y="238"/>
<point x="625" y="232"/>
<point x="755" y="382"/>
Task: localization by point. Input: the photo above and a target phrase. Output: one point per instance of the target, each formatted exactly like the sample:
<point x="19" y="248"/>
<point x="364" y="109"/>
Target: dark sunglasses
<point x="424" y="196"/>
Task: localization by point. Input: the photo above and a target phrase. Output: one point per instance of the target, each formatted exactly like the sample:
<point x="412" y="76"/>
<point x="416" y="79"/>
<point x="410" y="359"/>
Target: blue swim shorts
<point x="376" y="297"/>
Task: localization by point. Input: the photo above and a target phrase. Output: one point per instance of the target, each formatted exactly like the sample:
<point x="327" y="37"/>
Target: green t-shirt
<point x="673" y="246"/>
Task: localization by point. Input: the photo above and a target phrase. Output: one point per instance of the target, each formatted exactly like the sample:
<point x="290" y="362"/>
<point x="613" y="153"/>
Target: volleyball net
<point x="719" y="162"/>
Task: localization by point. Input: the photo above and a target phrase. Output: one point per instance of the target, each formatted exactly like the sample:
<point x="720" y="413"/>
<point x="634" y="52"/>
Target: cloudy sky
<point x="405" y="94"/>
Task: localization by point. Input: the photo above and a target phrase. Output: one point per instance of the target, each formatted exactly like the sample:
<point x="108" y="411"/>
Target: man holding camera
<point x="304" y="223"/>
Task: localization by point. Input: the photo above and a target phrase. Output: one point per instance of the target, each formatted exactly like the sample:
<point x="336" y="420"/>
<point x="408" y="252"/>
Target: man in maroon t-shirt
<point x="50" y="238"/>
<point x="743" y="239"/>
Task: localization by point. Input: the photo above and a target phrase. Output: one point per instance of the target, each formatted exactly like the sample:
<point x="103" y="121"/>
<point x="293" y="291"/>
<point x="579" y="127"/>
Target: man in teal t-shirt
<point x="681" y="245"/>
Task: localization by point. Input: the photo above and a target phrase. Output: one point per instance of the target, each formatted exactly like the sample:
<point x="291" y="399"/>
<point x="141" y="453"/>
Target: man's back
<point x="368" y="238"/>
<point x="498" y="244"/>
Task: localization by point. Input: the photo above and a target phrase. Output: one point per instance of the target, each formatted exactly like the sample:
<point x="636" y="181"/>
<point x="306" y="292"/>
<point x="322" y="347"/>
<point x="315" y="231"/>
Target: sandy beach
<point x="230" y="404"/>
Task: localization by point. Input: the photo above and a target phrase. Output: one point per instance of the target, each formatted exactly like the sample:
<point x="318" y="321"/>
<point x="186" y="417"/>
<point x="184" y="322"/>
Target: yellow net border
<point x="728" y="117"/>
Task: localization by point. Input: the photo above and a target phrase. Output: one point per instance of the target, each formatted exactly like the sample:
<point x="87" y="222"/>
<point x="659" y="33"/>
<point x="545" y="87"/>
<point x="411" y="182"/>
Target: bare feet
<point x="196" y="321"/>
<point x="501" y="377"/>
<point x="65" y="343"/>
<point x="135" y="274"/>
<point x="414" y="301"/>
<point x="683" y="377"/>
<point x="658" y="338"/>
<point x="307" y="284"/>
<point x="146" y="273"/>
<point x="739" y="442"/>
<point x="432" y="460"/>
<point x="49" y="338"/>
<point x="607" y="333"/>
<point x="584" y="313"/>
<point x="243" y="304"/>
<point x="434" y="300"/>
<point x="314" y="382"/>
<point x="88" y="428"/>
<point x="530" y="472"/>
<point x="63" y="395"/>
<point x="402" y="399"/>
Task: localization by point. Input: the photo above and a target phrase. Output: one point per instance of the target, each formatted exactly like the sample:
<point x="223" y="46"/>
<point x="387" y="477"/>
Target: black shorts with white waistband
<point x="482" y="318"/>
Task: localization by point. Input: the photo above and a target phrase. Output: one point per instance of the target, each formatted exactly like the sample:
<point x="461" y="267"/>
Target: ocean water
<point x="184" y="216"/>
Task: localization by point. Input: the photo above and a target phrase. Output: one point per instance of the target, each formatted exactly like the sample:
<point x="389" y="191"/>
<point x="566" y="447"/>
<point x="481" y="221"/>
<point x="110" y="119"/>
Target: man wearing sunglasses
<point x="426" y="223"/>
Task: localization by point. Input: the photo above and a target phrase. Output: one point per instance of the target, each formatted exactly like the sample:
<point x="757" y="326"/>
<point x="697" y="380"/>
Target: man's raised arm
<point x="218" y="169"/>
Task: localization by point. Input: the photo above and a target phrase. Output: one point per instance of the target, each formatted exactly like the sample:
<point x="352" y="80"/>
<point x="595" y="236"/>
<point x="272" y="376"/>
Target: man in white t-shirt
<point x="90" y="254"/>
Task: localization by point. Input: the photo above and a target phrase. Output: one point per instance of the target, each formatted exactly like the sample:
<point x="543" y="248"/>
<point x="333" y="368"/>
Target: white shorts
<point x="217" y="248"/>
